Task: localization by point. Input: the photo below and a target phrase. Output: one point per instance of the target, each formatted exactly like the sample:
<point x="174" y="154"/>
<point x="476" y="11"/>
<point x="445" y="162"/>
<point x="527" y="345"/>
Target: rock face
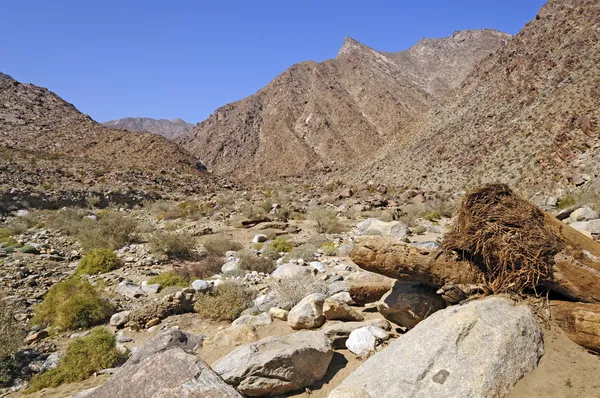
<point x="409" y="303"/>
<point x="340" y="111"/>
<point x="168" y="374"/>
<point x="276" y="365"/>
<point x="480" y="349"/>
<point x="373" y="226"/>
<point x="164" y="341"/>
<point x="308" y="313"/>
<point x="169" y="129"/>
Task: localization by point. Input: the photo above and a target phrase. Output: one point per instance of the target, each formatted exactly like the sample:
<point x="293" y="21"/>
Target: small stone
<point x="364" y="341"/>
<point x="152" y="289"/>
<point x="42" y="334"/>
<point x="278" y="313"/>
<point x="201" y="286"/>
<point x="152" y="322"/>
<point x="259" y="238"/>
<point x="120" y="318"/>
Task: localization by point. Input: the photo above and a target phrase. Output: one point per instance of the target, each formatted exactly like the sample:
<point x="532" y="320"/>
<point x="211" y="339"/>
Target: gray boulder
<point x="408" y="303"/>
<point x="308" y="313"/>
<point x="335" y="309"/>
<point x="338" y="332"/>
<point x="590" y="227"/>
<point x="276" y="365"/>
<point x="373" y="226"/>
<point x="164" y="341"/>
<point x="254" y="320"/>
<point x="129" y="289"/>
<point x="289" y="270"/>
<point x="480" y="349"/>
<point x="166" y="374"/>
<point x="120" y="318"/>
<point x="363" y="341"/>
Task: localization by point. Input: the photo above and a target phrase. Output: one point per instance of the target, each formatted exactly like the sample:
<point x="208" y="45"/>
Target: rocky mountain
<point x="5" y="76"/>
<point x="527" y="115"/>
<point x="167" y="128"/>
<point x="44" y="139"/>
<point x="338" y="113"/>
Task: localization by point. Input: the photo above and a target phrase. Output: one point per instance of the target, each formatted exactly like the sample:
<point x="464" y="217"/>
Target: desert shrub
<point x="270" y="252"/>
<point x="326" y="221"/>
<point x="10" y="368"/>
<point x="72" y="304"/>
<point x="225" y="303"/>
<point x="113" y="230"/>
<point x="432" y="216"/>
<point x="28" y="249"/>
<point x="252" y="262"/>
<point x="83" y="357"/>
<point x="169" y="278"/>
<point x="419" y="230"/>
<point x="270" y="233"/>
<point x="173" y="244"/>
<point x="68" y="221"/>
<point x="411" y="213"/>
<point x="305" y="252"/>
<point x="566" y="201"/>
<point x="11" y="334"/>
<point x="206" y="266"/>
<point x="258" y="246"/>
<point x="98" y="261"/>
<point x="220" y="244"/>
<point x="328" y="249"/>
<point x="292" y="290"/>
<point x="281" y="245"/>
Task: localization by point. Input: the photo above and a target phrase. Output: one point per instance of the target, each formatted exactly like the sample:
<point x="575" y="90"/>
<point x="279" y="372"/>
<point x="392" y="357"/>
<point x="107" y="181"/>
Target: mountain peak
<point x="350" y="46"/>
<point x="6" y="77"/>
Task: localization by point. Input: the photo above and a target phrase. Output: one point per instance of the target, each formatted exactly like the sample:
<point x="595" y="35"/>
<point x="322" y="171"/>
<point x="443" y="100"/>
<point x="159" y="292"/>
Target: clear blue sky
<point x="167" y="59"/>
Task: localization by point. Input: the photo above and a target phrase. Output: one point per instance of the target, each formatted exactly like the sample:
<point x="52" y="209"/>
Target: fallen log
<point x="581" y="322"/>
<point x="390" y="257"/>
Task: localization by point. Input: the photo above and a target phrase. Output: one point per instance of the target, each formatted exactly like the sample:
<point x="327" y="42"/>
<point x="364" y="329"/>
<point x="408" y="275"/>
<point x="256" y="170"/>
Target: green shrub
<point x="252" y="262"/>
<point x="98" y="261"/>
<point x="83" y="357"/>
<point x="328" y="249"/>
<point x="327" y="222"/>
<point x="432" y="216"/>
<point x="566" y="202"/>
<point x="28" y="249"/>
<point x="169" y="278"/>
<point x="205" y="267"/>
<point x="281" y="245"/>
<point x="419" y="230"/>
<point x="225" y="303"/>
<point x="111" y="231"/>
<point x="305" y="252"/>
<point x="269" y="252"/>
<point x="220" y="244"/>
<point x="10" y="369"/>
<point x="173" y="244"/>
<point x="72" y="304"/>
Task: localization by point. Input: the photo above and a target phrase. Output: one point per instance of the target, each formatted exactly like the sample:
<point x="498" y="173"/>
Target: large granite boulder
<point x="480" y="349"/>
<point x="308" y="313"/>
<point x="276" y="365"/>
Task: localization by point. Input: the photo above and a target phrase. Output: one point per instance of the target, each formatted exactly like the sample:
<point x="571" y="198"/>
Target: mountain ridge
<point x="169" y="129"/>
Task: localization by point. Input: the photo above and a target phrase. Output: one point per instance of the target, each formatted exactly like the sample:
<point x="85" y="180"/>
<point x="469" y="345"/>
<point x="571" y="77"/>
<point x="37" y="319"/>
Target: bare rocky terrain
<point x="169" y="129"/>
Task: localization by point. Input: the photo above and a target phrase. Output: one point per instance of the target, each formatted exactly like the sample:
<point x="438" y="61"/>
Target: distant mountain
<point x="167" y="128"/>
<point x="340" y="113"/>
<point x="528" y="115"/>
<point x="39" y="131"/>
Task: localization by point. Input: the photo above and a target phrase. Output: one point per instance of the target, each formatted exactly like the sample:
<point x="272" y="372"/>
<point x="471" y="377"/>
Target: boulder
<point x="583" y="214"/>
<point x="308" y="313"/>
<point x="373" y="226"/>
<point x="276" y="365"/>
<point x="151" y="289"/>
<point x="178" y="303"/>
<point x="589" y="227"/>
<point x="278" y="313"/>
<point x="166" y="374"/>
<point x="344" y="297"/>
<point x="289" y="270"/>
<point x="259" y="238"/>
<point x="337" y="310"/>
<point x="363" y="341"/>
<point x="234" y="336"/>
<point x="164" y="341"/>
<point x="368" y="292"/>
<point x="232" y="265"/>
<point x="120" y="318"/>
<point x="201" y="286"/>
<point x="409" y="303"/>
<point x="338" y="332"/>
<point x="479" y="349"/>
<point x="129" y="289"/>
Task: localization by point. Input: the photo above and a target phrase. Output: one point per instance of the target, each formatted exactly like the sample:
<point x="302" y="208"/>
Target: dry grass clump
<point x="252" y="262"/>
<point x="327" y="222"/>
<point x="71" y="304"/>
<point x="225" y="303"/>
<point x="11" y="335"/>
<point x="305" y="252"/>
<point x="83" y="357"/>
<point x="220" y="244"/>
<point x="168" y="279"/>
<point x="173" y="244"/>
<point x="281" y="245"/>
<point x="98" y="261"/>
<point x="292" y="290"/>
<point x="505" y="236"/>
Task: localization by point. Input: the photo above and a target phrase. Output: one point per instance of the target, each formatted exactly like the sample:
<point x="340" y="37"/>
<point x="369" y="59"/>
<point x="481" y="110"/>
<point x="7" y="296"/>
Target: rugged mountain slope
<point x="167" y="128"/>
<point x="528" y="115"/>
<point x="38" y="127"/>
<point x="340" y="112"/>
<point x="5" y="76"/>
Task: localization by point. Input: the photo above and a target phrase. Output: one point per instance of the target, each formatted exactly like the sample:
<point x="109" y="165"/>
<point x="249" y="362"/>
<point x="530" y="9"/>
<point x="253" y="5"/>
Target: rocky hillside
<point x="5" y="76"/>
<point x="527" y="115"/>
<point x="337" y="113"/>
<point x="167" y="128"/>
<point x="39" y="129"/>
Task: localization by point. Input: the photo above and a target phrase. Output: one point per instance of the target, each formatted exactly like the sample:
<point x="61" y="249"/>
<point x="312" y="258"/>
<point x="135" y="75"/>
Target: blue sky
<point x="167" y="59"/>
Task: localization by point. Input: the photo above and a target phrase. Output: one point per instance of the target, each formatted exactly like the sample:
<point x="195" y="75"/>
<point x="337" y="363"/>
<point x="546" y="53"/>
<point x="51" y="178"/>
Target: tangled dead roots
<point x="506" y="237"/>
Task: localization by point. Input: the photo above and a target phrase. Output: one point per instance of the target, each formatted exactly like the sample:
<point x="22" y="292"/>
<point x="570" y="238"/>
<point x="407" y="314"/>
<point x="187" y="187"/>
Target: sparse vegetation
<point x="305" y="252"/>
<point x="281" y="245"/>
<point x="252" y="262"/>
<point x="98" y="261"/>
<point x="432" y="216"/>
<point x="270" y="252"/>
<point x="11" y="335"/>
<point x="220" y="244"/>
<point x="205" y="267"/>
<point x="326" y="221"/>
<point x="328" y="249"/>
<point x="169" y="278"/>
<point x="566" y="202"/>
<point x="71" y="304"/>
<point x="173" y="244"/>
<point x="292" y="290"/>
<point x="225" y="303"/>
<point x="83" y="357"/>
